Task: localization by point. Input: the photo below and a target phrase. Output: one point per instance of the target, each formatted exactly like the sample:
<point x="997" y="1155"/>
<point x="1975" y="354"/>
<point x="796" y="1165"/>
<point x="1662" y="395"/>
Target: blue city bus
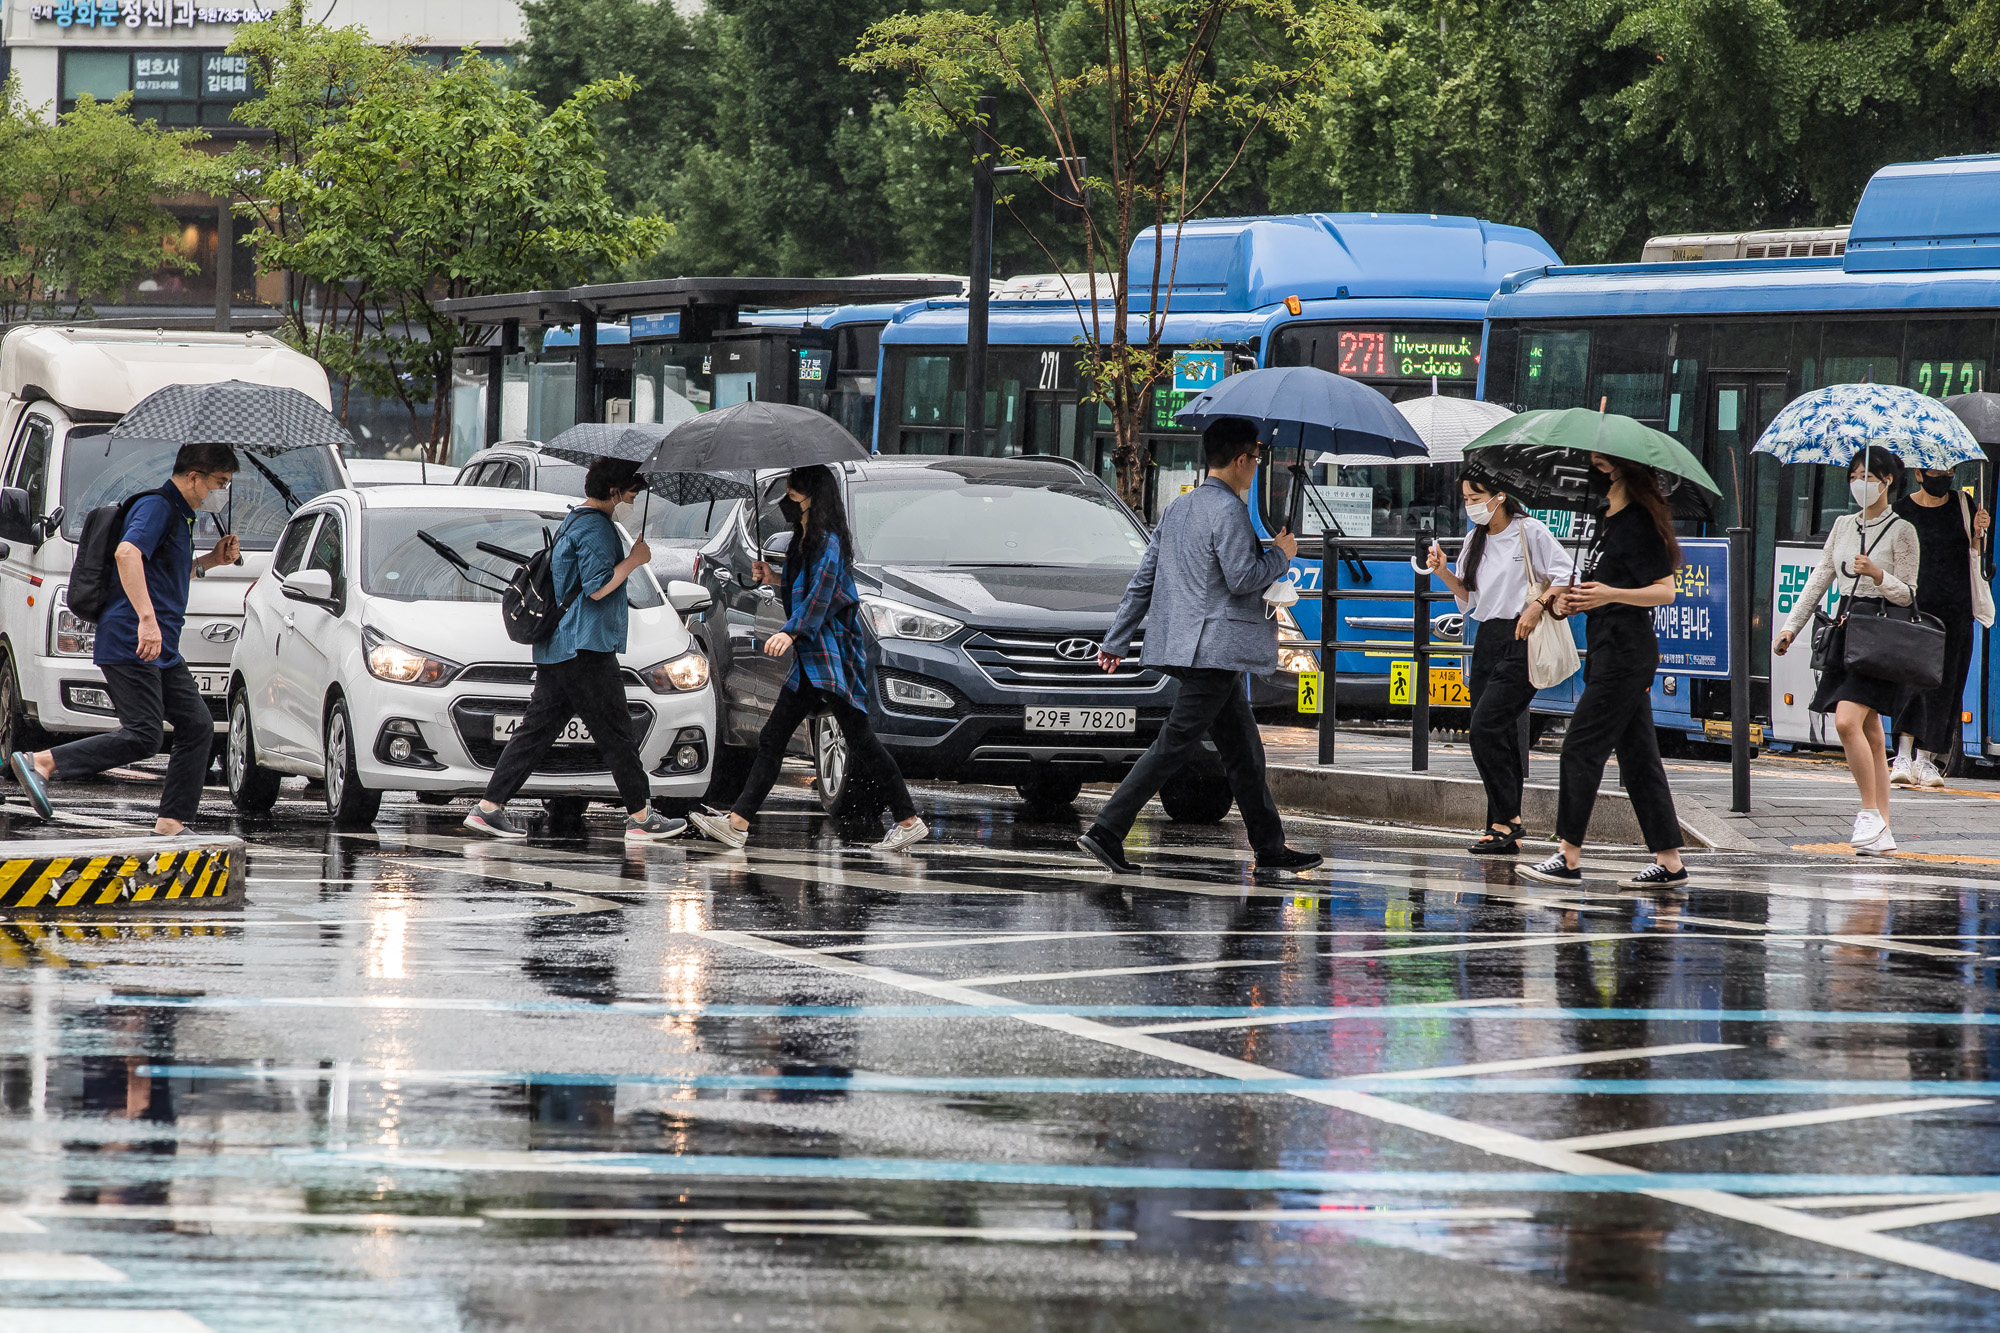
<point x="1394" y="300"/>
<point x="1709" y="351"/>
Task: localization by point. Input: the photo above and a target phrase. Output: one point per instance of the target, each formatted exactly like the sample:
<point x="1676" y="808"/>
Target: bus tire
<point x="1199" y="797"/>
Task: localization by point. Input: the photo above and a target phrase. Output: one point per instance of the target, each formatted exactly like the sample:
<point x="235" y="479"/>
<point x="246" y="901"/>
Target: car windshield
<point x="99" y="471"/>
<point x="940" y="516"/>
<point x="398" y="564"/>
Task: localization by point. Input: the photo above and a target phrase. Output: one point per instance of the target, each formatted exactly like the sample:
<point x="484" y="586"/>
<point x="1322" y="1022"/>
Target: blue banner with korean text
<point x="1694" y="630"/>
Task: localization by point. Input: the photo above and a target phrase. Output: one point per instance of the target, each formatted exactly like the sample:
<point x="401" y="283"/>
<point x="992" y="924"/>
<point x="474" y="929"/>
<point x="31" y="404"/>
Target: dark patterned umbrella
<point x="261" y="418"/>
<point x="589" y="441"/>
<point x="754" y="435"/>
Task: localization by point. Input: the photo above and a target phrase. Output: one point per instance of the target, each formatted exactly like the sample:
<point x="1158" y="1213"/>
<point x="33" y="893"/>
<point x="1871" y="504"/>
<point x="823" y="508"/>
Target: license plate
<point x="1447" y="685"/>
<point x="505" y="725"/>
<point x="212" y="682"/>
<point x="1082" y="719"/>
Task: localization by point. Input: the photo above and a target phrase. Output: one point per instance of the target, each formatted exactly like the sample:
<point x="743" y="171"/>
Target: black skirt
<point x="1839" y="685"/>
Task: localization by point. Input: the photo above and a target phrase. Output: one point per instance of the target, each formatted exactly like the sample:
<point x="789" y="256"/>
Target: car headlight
<point x="70" y="635"/>
<point x="391" y="661"/>
<point x="689" y="671"/>
<point x="893" y="620"/>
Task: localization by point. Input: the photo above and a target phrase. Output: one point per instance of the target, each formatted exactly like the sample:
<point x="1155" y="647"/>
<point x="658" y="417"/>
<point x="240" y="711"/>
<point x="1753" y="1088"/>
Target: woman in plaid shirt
<point x="830" y="668"/>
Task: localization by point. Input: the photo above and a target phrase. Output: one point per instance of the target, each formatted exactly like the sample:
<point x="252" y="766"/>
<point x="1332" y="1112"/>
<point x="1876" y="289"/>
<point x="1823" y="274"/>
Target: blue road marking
<point x="1143" y="1177"/>
<point x="866" y="1082"/>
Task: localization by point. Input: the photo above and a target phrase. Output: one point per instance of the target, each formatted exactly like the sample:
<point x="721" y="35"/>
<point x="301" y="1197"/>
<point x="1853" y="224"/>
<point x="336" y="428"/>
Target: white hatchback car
<point x="368" y="659"/>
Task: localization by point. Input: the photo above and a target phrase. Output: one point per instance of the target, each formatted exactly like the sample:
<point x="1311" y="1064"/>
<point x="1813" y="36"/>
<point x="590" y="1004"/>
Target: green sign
<point x="1943" y="379"/>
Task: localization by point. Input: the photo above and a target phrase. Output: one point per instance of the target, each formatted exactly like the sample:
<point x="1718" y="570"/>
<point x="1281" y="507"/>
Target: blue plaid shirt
<point x="827" y="649"/>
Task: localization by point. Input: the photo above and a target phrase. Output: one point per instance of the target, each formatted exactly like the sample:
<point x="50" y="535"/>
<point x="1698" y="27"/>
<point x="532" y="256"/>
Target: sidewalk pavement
<point x="1798" y="802"/>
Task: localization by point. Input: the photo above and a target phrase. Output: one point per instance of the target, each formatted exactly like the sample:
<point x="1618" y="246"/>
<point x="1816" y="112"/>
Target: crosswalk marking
<point x="1556" y="1061"/>
<point x="1009" y="978"/>
<point x="22" y="1319"/>
<point x="1035" y="1234"/>
<point x="50" y="1266"/>
<point x="1626" y="1138"/>
<point x="1360" y="1214"/>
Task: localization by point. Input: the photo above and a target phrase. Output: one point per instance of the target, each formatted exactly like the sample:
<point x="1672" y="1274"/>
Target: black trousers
<point x="147" y="697"/>
<point x="1213" y="704"/>
<point x="1615" y="713"/>
<point x="1933" y="716"/>
<point x="1500" y="692"/>
<point x="586" y="686"/>
<point x="864" y="748"/>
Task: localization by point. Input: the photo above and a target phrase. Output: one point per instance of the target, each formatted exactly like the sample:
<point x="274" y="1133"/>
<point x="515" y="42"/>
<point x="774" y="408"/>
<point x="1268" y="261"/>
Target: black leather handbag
<point x="1899" y="644"/>
<point x="1827" y="640"/>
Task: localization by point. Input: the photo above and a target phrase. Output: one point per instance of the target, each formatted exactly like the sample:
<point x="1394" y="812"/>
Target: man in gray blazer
<point x="1198" y="593"/>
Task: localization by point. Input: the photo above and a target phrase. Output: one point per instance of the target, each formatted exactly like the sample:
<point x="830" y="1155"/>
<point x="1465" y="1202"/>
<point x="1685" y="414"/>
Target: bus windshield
<point x="99" y="471"/>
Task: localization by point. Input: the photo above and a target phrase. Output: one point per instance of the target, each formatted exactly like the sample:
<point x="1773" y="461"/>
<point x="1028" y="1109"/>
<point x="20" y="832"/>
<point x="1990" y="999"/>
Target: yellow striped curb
<point x="104" y="874"/>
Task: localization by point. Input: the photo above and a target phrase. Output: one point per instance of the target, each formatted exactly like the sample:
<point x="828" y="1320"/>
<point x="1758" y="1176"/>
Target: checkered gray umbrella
<point x="261" y="418"/>
<point x="589" y="441"/>
<point x="689" y="488"/>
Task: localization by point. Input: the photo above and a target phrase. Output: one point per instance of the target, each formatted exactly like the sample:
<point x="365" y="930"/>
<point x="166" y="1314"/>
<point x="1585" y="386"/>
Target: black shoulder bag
<point x="1873" y="637"/>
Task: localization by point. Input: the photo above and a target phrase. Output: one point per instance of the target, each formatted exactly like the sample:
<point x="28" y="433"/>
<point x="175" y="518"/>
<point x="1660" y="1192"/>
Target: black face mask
<point x="791" y="509"/>
<point x="1936" y="485"/>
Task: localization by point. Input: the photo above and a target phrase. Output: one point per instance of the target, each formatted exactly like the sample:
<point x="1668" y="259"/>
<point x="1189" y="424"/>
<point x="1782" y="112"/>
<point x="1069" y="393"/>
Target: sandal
<point x="1500" y="844"/>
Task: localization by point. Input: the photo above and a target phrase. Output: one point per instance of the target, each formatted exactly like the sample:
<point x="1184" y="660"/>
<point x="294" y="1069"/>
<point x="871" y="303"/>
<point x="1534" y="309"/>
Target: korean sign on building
<point x="109" y="14"/>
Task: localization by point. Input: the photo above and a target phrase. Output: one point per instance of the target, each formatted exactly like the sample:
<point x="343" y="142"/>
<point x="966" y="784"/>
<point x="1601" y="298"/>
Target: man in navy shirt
<point x="139" y="644"/>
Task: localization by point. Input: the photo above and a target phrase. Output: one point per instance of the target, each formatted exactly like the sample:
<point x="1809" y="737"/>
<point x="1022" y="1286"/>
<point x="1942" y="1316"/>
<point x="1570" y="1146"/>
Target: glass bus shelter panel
<point x="659" y="369"/>
<point x="551" y="399"/>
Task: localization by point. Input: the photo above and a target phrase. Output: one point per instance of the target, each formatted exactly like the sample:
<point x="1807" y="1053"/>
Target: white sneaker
<point x="901" y="837"/>
<point x="1902" y="773"/>
<point x="1928" y="775"/>
<point x="1882" y="842"/>
<point x="1868" y="825"/>
<point x="715" y="825"/>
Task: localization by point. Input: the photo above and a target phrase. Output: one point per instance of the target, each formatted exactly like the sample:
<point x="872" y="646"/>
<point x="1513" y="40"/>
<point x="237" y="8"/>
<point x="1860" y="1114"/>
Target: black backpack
<point x="528" y="608"/>
<point x="93" y="577"/>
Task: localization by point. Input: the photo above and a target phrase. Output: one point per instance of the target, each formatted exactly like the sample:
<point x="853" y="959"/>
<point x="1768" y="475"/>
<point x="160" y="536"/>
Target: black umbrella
<point x="1981" y="414"/>
<point x="751" y="436"/>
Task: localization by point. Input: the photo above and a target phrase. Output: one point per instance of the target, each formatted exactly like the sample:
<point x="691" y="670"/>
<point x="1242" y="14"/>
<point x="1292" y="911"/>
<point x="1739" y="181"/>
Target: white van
<point x="61" y="390"/>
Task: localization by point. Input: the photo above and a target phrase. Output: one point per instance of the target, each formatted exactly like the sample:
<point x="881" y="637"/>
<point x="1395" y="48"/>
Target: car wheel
<point x="1050" y="790"/>
<point x="565" y="811"/>
<point x="1200" y="797"/>
<point x="16" y="731"/>
<point x="252" y="787"/>
<point x="347" y="801"/>
<point x="842" y="791"/>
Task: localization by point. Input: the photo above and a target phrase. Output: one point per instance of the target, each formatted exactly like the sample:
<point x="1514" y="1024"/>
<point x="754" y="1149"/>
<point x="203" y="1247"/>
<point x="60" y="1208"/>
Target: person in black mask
<point x="1948" y="526"/>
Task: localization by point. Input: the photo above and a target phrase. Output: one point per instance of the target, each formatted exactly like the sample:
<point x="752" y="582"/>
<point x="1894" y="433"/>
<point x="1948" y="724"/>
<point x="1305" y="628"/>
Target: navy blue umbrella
<point x="1309" y="410"/>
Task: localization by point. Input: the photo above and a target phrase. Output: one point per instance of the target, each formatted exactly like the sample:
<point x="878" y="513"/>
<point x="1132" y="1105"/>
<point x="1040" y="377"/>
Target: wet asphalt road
<point x="428" y="1083"/>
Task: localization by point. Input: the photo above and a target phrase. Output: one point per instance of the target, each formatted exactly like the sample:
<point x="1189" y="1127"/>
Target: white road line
<point x="1558" y="1061"/>
<point x="1870" y="1200"/>
<point x="1009" y="978"/>
<point x="966" y="941"/>
<point x="1926" y="1215"/>
<point x="17" y="1224"/>
<point x="225" y="1213"/>
<point x="1828" y="1231"/>
<point x="1888" y="945"/>
<point x="49" y="1266"/>
<point x="43" y="1319"/>
<point x="1578" y="938"/>
<point x="1370" y="1215"/>
<point x="1626" y="1138"/>
<point x="674" y="1214"/>
<point x="1218" y="1024"/>
<point x="1038" y="1234"/>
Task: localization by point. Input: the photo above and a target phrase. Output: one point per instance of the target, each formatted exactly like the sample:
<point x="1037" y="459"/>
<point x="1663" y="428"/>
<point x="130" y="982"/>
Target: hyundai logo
<point x="221" y="633"/>
<point x="1077" y="650"/>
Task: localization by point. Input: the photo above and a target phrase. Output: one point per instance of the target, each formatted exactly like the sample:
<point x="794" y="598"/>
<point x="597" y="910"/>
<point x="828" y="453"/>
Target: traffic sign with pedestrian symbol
<point x="1309" y="686"/>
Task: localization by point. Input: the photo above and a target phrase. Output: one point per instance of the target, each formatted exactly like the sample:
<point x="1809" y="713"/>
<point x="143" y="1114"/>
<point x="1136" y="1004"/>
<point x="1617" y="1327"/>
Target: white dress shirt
<point x="1503" y="575"/>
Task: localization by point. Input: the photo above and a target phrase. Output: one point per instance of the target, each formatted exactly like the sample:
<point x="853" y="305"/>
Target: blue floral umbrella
<point x="1831" y="425"/>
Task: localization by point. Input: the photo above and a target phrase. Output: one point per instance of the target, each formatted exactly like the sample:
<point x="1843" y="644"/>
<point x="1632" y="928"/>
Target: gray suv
<point x="986" y="585"/>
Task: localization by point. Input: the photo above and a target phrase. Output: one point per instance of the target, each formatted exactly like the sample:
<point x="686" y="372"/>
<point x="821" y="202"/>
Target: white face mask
<point x="1865" y="490"/>
<point x="622" y="514"/>
<point x="216" y="501"/>
<point x="1480" y="515"/>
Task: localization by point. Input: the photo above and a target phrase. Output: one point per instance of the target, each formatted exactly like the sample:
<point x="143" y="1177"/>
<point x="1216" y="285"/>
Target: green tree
<point x="1165" y="98"/>
<point x="80" y="217"/>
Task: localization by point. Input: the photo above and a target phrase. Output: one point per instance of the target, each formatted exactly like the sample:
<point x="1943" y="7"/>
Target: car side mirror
<point x="776" y="547"/>
<point x="690" y="599"/>
<point x="51" y="522"/>
<point x="308" y="585"/>
<point x="16" y="523"/>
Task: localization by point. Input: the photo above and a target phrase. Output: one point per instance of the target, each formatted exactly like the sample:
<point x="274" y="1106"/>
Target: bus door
<point x="1740" y="405"/>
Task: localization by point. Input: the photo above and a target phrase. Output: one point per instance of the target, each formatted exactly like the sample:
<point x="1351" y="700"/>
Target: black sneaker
<point x="1555" y="870"/>
<point x="1109" y="854"/>
<point x="1656" y="877"/>
<point x="1287" y="858"/>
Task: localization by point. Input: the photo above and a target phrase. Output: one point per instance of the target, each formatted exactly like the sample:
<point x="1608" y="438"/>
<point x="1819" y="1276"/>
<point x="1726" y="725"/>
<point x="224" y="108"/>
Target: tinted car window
<point x="938" y="516"/>
<point x="396" y="563"/>
<point x="98" y="471"/>
<point x="326" y="549"/>
<point x="292" y="546"/>
<point x="31" y="469"/>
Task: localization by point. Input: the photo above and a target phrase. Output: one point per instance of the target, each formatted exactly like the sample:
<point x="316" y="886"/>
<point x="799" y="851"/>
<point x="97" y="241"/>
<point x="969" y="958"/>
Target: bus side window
<point x="31" y="465"/>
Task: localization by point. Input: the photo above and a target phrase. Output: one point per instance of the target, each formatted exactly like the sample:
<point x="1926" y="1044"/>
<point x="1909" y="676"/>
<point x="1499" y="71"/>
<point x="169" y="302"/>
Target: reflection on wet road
<point x="426" y="1083"/>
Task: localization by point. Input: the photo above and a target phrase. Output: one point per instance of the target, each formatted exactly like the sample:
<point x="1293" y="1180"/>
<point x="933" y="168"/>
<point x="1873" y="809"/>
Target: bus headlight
<point x="1293" y="655"/>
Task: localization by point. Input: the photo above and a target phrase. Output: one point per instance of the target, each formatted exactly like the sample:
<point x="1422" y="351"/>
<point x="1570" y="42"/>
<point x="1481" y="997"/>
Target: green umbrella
<point x="1542" y="459"/>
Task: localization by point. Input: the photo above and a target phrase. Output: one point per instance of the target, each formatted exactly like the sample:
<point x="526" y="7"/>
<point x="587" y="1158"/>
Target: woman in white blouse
<point x="1873" y="553"/>
<point x="1491" y="584"/>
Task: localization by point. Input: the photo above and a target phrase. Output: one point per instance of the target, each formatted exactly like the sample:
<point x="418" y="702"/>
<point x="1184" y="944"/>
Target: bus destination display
<point x="1409" y="354"/>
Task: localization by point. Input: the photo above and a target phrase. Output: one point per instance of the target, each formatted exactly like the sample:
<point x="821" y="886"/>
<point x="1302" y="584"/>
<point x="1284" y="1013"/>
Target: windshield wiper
<point x="457" y="562"/>
<point x="292" y="502"/>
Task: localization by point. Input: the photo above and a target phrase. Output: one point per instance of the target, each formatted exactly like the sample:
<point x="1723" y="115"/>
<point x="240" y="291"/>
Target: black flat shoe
<point x="1107" y="853"/>
<point x="1290" y="859"/>
<point x="1500" y="844"/>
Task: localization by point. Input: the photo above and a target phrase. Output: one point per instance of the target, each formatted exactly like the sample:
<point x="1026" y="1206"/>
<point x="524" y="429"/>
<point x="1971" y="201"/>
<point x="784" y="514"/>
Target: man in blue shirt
<point x="576" y="669"/>
<point x="139" y="644"/>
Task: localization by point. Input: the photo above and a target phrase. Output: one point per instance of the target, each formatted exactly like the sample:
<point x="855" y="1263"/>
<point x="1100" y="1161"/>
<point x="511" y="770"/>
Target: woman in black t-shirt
<point x="1928" y="730"/>
<point x="1629" y="571"/>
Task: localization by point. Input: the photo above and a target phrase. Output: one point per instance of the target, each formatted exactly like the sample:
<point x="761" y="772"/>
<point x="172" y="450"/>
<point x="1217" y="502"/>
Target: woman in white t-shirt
<point x="1491" y="584"/>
